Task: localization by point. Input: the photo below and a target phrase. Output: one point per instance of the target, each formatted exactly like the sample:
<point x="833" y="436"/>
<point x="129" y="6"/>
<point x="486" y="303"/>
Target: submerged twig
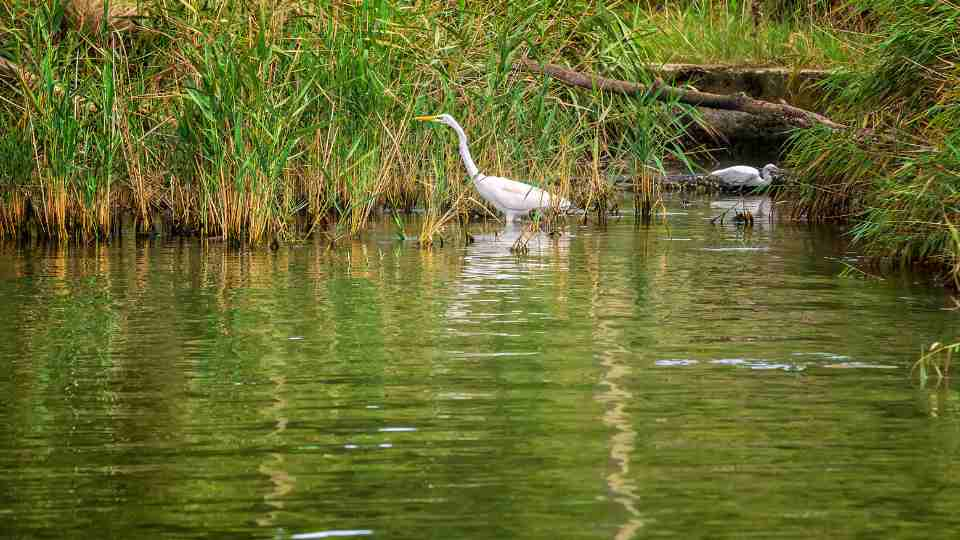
<point x="938" y="357"/>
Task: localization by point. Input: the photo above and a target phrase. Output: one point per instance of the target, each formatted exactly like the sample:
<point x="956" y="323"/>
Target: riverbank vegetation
<point x="897" y="177"/>
<point x="775" y="33"/>
<point x="261" y="121"/>
<point x="254" y="121"/>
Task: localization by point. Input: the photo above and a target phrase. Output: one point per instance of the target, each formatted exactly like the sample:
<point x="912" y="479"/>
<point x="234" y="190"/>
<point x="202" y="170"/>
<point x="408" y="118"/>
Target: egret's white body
<point x="742" y="176"/>
<point x="515" y="199"/>
<point x="487" y="261"/>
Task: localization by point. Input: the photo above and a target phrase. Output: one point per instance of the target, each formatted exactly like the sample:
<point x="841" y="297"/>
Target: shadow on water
<point x="682" y="378"/>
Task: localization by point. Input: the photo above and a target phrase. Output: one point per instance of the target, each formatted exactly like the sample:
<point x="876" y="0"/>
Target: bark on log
<point x="727" y="117"/>
<point x="736" y="126"/>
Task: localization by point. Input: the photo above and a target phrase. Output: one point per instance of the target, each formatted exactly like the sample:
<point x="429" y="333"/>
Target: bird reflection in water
<point x="495" y="276"/>
<point x="752" y="210"/>
<point x="617" y="416"/>
<point x="276" y="467"/>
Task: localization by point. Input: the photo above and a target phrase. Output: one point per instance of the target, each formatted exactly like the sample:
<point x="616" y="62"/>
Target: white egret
<point x="511" y="197"/>
<point x="742" y="176"/>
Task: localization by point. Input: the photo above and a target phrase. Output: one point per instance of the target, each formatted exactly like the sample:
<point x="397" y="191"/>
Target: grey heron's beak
<point x="428" y="118"/>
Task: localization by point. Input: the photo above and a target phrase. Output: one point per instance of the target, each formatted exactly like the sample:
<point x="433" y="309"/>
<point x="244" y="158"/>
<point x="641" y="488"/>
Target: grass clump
<point x="251" y="123"/>
<point x="898" y="177"/>
<point x="241" y="125"/>
<point x="256" y="122"/>
<point x="732" y="33"/>
<point x="63" y="152"/>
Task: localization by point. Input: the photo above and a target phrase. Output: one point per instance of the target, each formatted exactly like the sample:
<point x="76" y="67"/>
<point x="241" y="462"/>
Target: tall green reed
<point x="72" y="121"/>
<point x="898" y="180"/>
<point x="241" y="129"/>
<point x="238" y="124"/>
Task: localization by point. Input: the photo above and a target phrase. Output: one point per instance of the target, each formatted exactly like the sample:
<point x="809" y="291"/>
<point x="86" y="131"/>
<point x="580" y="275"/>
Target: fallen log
<point x="686" y="182"/>
<point x="735" y="117"/>
<point x="795" y="116"/>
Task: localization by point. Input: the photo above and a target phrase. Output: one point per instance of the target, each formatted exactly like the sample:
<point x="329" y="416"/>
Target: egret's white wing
<point x="533" y="196"/>
<point x="511" y="194"/>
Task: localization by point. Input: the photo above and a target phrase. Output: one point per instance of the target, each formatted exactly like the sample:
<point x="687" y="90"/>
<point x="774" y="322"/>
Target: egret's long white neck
<point x="465" y="151"/>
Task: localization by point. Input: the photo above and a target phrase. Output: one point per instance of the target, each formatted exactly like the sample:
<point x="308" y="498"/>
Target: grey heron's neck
<point x="465" y="153"/>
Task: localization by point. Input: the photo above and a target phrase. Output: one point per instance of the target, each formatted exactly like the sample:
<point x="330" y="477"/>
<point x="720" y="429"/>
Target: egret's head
<point x="439" y="118"/>
<point x="769" y="171"/>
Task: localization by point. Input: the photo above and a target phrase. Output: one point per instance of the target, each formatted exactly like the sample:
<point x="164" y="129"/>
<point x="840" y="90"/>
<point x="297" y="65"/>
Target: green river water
<point x="683" y="380"/>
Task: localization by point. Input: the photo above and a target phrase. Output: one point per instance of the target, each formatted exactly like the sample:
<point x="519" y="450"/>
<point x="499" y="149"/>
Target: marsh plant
<point x="935" y="362"/>
<point x="254" y="122"/>
<point x="897" y="178"/>
<point x="767" y="32"/>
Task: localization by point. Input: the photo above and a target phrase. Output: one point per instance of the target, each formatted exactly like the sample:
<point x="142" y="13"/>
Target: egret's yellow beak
<point x="428" y="118"/>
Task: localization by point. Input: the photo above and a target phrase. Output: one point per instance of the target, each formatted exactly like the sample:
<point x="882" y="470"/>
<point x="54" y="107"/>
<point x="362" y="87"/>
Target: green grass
<point x="898" y="183"/>
<point x="701" y="33"/>
<point x="258" y="123"/>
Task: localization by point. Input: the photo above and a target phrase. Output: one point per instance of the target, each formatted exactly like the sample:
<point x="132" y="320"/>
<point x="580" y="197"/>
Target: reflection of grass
<point x="73" y="333"/>
<point x="851" y="271"/>
<point x="935" y="361"/>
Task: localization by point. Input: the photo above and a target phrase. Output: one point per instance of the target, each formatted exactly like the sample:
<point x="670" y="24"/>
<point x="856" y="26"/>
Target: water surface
<point x="683" y="379"/>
